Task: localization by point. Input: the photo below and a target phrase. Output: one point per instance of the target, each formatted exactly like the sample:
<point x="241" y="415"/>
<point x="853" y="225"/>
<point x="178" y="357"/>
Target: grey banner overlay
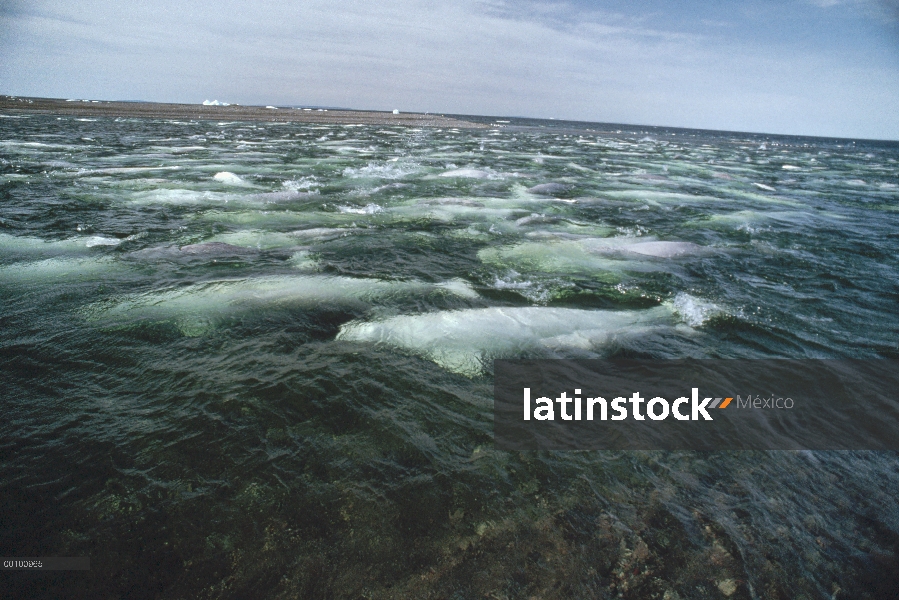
<point x="833" y="404"/>
<point x="53" y="563"/>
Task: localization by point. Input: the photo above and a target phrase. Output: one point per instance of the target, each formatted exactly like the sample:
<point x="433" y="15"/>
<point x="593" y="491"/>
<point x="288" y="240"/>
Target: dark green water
<point x="253" y="360"/>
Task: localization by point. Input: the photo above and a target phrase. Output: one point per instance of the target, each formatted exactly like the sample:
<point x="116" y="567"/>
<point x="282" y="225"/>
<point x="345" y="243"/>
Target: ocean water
<point x="254" y="360"/>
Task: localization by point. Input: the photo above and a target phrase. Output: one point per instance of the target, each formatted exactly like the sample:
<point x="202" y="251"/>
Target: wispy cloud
<point x="714" y="23"/>
<point x="885" y="10"/>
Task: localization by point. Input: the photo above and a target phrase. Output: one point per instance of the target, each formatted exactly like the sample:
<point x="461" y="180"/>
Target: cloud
<point x="714" y="23"/>
<point x="544" y="59"/>
<point x="884" y="10"/>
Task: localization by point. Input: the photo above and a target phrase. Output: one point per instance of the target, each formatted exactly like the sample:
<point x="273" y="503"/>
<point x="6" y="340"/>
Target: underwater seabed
<point x="255" y="360"/>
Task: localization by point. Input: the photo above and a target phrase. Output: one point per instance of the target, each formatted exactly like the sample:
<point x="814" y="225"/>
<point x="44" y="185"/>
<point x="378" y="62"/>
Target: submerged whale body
<point x="462" y="341"/>
<point x="322" y="234"/>
<point x="549" y="189"/>
<point x="190" y="251"/>
<point x="468" y="173"/>
<point x="448" y="210"/>
<point x="259" y="239"/>
<point x="453" y="201"/>
<point x="196" y="308"/>
<point x="253" y="239"/>
<point x="283" y="196"/>
<point x="538" y="220"/>
<point x="207" y="248"/>
<point x="187" y="197"/>
<point x="573" y="254"/>
<point x="390" y="186"/>
<point x="25" y="245"/>
<point x="284" y="218"/>
<point x="59" y="269"/>
<point x="664" y="249"/>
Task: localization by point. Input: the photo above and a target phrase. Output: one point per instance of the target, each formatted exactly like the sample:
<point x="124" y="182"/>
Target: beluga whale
<point x="593" y="256"/>
<point x="196" y="308"/>
<point x="466" y="173"/>
<point x="464" y="341"/>
<point x="549" y="189"/>
<point x="18" y="245"/>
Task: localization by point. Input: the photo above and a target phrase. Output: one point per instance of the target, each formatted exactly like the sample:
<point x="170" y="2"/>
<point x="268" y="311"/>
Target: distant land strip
<point x="158" y="110"/>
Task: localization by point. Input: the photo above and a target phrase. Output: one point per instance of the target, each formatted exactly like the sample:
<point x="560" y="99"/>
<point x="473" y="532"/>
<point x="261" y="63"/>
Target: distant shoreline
<point x="158" y="110"/>
<point x="340" y="116"/>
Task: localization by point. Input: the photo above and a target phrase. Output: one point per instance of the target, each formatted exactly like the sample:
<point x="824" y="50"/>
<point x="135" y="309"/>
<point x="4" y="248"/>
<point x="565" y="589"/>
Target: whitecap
<point x="511" y="282"/>
<point x="382" y="188"/>
<point x="304" y="261"/>
<point x="393" y="169"/>
<point x="368" y="209"/>
<point x="301" y="184"/>
<point x="538" y="291"/>
<point x="695" y="311"/>
<point x="99" y="240"/>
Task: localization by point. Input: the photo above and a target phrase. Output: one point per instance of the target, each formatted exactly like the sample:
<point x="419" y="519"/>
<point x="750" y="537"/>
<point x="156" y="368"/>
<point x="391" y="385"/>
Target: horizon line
<point x="454" y="115"/>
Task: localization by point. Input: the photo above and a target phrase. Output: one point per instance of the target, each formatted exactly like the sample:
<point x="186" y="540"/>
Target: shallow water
<point x="255" y="359"/>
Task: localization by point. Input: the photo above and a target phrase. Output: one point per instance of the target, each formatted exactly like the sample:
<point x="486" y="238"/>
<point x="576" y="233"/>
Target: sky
<point x="804" y="67"/>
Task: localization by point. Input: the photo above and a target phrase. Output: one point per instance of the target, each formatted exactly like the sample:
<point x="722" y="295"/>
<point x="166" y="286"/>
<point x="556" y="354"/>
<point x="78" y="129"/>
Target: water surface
<point x="245" y="359"/>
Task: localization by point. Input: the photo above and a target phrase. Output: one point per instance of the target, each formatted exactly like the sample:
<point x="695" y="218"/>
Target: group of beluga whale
<point x="462" y="340"/>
